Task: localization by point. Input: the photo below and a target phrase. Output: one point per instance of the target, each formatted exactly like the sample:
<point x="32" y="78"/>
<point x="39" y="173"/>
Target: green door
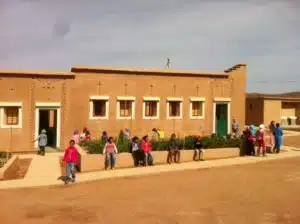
<point x="221" y="119"/>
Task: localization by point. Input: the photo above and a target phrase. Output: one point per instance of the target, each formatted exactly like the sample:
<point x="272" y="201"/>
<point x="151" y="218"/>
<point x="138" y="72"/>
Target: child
<point x="110" y="150"/>
<point x="42" y="142"/>
<point x="76" y="136"/>
<point x="135" y="151"/>
<point x="147" y="148"/>
<point x="173" y="150"/>
<point x="198" y="149"/>
<point x="272" y="130"/>
<point x="251" y="139"/>
<point x="278" y="138"/>
<point x="260" y="139"/>
<point x="70" y="159"/>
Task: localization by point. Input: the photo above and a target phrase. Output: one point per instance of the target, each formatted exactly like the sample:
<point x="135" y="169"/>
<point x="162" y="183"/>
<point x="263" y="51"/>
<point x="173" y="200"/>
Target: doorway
<point x="221" y="116"/>
<point x="48" y="121"/>
<point x="47" y="116"/>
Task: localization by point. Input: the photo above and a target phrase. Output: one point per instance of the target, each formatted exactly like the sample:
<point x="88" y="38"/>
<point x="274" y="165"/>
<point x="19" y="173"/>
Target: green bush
<point x="96" y="146"/>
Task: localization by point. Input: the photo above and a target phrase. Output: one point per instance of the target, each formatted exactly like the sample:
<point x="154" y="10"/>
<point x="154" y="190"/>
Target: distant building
<point x="111" y="99"/>
<point x="282" y="108"/>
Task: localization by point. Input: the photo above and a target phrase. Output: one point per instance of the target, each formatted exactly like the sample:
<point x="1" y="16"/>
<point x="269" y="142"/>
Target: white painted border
<point x="191" y="110"/>
<point x="47" y="104"/>
<point x="197" y="99"/>
<point x="228" y="115"/>
<point x="151" y="98"/>
<point x="91" y="113"/>
<point x="132" y="107"/>
<point x="2" y="116"/>
<point x="42" y="106"/>
<point x="222" y="99"/>
<point x="181" y="110"/>
<point x="174" y="99"/>
<point x="99" y="97"/>
<point x="157" y="99"/>
<point x="132" y="98"/>
<point x="11" y="104"/>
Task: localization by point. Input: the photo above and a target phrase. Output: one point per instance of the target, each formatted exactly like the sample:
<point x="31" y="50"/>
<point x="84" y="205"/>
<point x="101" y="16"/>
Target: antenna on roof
<point x="168" y="63"/>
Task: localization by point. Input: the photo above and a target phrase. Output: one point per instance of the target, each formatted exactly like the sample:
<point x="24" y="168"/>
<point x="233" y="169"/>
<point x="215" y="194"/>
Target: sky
<point x="205" y="35"/>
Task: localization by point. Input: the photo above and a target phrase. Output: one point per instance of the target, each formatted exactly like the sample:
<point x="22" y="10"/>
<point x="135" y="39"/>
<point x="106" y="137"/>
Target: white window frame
<point x="222" y="101"/>
<point x="174" y="99"/>
<point x="4" y="105"/>
<point x="151" y="99"/>
<point x="91" y="103"/>
<point x="197" y="99"/>
<point x="127" y="98"/>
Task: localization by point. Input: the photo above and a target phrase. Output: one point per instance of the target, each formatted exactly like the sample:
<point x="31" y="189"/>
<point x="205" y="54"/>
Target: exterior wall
<point x="272" y="111"/>
<point x="139" y="86"/>
<point x="298" y="114"/>
<point x="288" y="109"/>
<point x="254" y="111"/>
<point x="28" y="91"/>
<point x="74" y="94"/>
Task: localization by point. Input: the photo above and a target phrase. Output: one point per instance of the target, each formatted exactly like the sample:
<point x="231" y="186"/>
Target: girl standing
<point x="110" y="150"/>
<point x="278" y="138"/>
<point x="147" y="148"/>
<point x="71" y="159"/>
<point x="198" y="149"/>
<point x="260" y="139"/>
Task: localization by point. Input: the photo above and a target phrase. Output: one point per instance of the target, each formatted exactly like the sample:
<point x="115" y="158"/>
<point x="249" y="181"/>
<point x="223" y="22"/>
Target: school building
<point x="264" y="108"/>
<point x="111" y="99"/>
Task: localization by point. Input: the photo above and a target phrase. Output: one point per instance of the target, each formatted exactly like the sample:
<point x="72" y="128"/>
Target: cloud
<point x="203" y="35"/>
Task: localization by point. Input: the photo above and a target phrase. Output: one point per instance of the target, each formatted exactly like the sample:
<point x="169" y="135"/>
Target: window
<point x="125" y="107"/>
<point x="99" y="107"/>
<point x="197" y="107"/>
<point x="10" y="115"/>
<point x="151" y="108"/>
<point x="174" y="108"/>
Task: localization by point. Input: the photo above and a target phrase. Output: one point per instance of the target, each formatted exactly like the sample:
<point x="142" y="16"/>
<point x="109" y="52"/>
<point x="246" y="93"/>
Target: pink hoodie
<point x="146" y="146"/>
<point x="71" y="155"/>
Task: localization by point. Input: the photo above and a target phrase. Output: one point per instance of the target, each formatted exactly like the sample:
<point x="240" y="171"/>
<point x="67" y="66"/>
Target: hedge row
<point x="96" y="146"/>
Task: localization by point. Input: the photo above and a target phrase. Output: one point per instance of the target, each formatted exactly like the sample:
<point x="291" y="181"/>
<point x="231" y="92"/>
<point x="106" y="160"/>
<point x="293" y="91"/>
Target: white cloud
<point x="207" y="35"/>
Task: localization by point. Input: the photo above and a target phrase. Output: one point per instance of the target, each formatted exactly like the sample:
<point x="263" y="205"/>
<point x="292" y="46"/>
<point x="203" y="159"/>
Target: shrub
<point x="96" y="146"/>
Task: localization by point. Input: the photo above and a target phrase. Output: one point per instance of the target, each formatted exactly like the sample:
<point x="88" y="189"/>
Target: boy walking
<point x="70" y="159"/>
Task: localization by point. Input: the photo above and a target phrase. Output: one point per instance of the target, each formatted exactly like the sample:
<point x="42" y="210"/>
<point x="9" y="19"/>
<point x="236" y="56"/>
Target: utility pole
<point x="168" y="63"/>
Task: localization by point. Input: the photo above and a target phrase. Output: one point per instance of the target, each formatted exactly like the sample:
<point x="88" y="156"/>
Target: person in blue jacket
<point x="278" y="138"/>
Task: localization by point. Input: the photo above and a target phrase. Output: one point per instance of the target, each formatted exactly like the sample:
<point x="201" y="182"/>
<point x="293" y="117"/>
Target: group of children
<point x="253" y="137"/>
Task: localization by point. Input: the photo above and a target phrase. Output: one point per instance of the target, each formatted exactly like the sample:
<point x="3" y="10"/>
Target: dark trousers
<point x="276" y="148"/>
<point x="42" y="150"/>
<point x="136" y="155"/>
<point x="173" y="156"/>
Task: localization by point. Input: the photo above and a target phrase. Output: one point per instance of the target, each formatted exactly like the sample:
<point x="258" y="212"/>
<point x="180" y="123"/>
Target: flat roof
<point x="135" y="71"/>
<point x="273" y="97"/>
<point x="20" y="73"/>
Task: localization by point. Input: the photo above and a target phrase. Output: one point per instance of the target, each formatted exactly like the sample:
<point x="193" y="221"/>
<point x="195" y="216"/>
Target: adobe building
<point x="111" y="99"/>
<point x="264" y="108"/>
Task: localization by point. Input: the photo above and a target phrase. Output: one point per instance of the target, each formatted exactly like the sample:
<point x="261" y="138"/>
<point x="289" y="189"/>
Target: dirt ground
<point x="292" y="141"/>
<point x="21" y="170"/>
<point x="255" y="193"/>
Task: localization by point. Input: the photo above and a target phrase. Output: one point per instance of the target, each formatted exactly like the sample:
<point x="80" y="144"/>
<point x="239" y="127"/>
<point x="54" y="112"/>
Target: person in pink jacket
<point x="147" y="149"/>
<point x="71" y="159"/>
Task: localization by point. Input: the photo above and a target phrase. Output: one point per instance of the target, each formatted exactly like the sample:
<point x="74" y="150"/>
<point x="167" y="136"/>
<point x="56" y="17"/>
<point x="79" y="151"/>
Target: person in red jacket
<point x="70" y="159"/>
<point x="147" y="149"/>
<point x="260" y="139"/>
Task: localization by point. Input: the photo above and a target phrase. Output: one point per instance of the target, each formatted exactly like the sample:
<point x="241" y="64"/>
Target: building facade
<point x="111" y="99"/>
<point x="262" y="109"/>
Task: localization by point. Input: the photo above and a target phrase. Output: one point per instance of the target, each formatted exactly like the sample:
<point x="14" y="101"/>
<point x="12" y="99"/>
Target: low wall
<point x="93" y="162"/>
<point x="10" y="168"/>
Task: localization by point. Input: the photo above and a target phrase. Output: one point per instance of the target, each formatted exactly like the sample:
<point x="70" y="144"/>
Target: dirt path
<point x="257" y="193"/>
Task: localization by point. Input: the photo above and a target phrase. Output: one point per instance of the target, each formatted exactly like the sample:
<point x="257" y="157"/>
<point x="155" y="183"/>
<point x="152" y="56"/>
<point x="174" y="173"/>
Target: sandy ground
<point x="257" y="193"/>
<point x="292" y="141"/>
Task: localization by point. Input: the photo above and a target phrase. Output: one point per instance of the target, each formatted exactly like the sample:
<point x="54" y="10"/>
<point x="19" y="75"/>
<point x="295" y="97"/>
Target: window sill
<point x="151" y="118"/>
<point x="98" y="118"/>
<point x="11" y="126"/>
<point x="197" y="117"/>
<point x="125" y="118"/>
<point x="174" y="118"/>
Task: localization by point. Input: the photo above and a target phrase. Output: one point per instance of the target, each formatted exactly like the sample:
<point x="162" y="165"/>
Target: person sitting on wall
<point x="198" y="149"/>
<point x="174" y="152"/>
<point x="161" y="133"/>
<point x="235" y="128"/>
<point x="154" y="135"/>
<point x="104" y="136"/>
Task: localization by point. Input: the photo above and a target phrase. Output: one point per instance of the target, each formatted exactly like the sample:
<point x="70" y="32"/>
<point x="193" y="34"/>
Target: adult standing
<point x="272" y="133"/>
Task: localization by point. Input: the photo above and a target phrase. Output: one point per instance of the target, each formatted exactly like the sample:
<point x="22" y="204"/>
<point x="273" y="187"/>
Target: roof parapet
<point x="235" y="67"/>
